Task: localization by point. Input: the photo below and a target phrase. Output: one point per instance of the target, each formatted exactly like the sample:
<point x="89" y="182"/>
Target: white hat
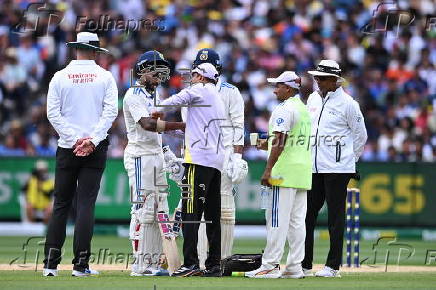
<point x="289" y="78"/>
<point x="207" y="70"/>
<point x="327" y="67"/>
<point x="87" y="40"/>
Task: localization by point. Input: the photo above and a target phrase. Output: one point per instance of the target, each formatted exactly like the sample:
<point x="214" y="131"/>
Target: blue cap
<point x="208" y="55"/>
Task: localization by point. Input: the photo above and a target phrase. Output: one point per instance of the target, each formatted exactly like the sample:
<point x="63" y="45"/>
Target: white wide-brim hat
<point x="207" y="70"/>
<point x="289" y="78"/>
<point x="327" y="68"/>
<point x="87" y="40"/>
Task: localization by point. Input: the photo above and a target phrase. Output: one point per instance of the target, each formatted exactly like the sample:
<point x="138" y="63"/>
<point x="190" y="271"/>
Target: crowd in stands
<point x="389" y="66"/>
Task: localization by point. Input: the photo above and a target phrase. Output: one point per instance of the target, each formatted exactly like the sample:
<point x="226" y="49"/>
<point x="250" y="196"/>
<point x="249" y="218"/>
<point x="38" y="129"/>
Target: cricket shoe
<point x="146" y="272"/>
<point x="161" y="272"/>
<point x="87" y="272"/>
<point x="265" y="271"/>
<point x="187" y="271"/>
<point x="328" y="272"/>
<point x="308" y="272"/>
<point x="49" y="272"/>
<point x="215" y="271"/>
<point x="136" y="274"/>
<point x="293" y="275"/>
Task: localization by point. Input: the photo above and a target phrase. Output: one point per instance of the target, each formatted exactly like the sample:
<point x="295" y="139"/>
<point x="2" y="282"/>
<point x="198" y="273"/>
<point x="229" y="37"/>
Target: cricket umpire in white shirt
<point x="82" y="103"/>
<point x="204" y="161"/>
<point x="339" y="133"/>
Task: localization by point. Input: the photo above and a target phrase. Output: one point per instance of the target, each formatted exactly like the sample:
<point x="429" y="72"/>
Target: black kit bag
<point x="240" y="263"/>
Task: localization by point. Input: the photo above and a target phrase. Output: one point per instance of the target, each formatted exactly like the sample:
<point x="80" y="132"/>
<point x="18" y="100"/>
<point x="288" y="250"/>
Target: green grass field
<point x="11" y="248"/>
<point x="120" y="280"/>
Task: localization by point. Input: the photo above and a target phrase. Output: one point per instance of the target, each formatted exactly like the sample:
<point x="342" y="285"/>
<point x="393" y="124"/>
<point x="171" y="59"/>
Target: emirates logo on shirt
<point x="81" y="78"/>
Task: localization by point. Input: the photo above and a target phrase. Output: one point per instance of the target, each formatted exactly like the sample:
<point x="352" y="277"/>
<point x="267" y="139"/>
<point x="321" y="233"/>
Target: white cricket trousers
<point x="285" y="220"/>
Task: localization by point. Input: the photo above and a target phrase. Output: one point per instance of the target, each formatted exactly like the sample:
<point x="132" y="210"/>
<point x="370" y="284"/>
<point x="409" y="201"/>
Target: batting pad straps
<point x="227" y="216"/>
<point x="160" y="125"/>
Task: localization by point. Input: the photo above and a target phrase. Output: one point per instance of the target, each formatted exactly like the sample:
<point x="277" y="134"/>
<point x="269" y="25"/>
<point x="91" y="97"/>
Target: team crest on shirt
<point x="279" y="121"/>
<point x="204" y="55"/>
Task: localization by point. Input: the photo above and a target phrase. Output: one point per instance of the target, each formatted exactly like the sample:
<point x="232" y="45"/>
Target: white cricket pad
<point x="202" y="245"/>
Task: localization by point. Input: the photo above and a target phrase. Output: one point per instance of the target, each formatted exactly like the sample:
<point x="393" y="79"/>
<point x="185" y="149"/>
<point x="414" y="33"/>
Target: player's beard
<point x="151" y="88"/>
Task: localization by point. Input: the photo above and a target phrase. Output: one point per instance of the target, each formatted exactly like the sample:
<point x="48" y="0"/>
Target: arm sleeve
<point x="236" y="111"/>
<point x="110" y="111"/>
<point x="185" y="97"/>
<point x="184" y="113"/>
<point x="59" y="123"/>
<point x="283" y="120"/>
<point x="356" y="123"/>
<point x="137" y="109"/>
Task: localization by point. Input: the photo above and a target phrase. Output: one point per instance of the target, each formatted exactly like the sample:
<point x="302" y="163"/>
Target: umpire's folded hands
<point x="83" y="147"/>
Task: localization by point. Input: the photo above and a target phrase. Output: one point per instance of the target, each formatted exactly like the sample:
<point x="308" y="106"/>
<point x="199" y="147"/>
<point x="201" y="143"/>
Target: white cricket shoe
<point x="265" y="271"/>
<point x="293" y="275"/>
<point x="150" y="272"/>
<point x="308" y="272"/>
<point x="87" y="272"/>
<point x="161" y="272"/>
<point x="136" y="274"/>
<point x="328" y="272"/>
<point x="49" y="272"/>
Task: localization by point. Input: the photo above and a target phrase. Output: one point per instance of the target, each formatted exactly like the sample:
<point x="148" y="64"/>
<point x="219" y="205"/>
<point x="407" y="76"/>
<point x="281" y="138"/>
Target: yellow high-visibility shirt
<point x="35" y="192"/>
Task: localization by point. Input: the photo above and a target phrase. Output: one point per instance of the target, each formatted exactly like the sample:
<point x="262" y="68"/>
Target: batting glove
<point x="168" y="154"/>
<point x="237" y="168"/>
<point x="176" y="169"/>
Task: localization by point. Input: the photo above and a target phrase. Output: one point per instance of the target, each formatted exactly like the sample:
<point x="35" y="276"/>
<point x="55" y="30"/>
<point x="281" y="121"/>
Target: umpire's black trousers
<point x="330" y="187"/>
<point x="80" y="177"/>
<point x="205" y="188"/>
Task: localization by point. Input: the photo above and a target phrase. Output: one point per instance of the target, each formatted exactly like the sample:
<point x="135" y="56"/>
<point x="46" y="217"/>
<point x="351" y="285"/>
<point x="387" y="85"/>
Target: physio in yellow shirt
<point x="39" y="189"/>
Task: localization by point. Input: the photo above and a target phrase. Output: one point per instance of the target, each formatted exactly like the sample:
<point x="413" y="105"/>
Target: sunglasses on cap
<point x="324" y="78"/>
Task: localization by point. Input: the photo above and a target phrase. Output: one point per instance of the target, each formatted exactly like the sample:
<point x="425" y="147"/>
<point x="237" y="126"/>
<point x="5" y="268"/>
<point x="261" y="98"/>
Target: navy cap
<point x="208" y="55"/>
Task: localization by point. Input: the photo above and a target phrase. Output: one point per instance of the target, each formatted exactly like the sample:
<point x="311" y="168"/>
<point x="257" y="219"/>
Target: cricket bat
<point x="168" y="242"/>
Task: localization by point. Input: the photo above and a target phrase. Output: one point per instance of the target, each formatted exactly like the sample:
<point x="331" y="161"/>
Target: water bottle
<point x="264" y="196"/>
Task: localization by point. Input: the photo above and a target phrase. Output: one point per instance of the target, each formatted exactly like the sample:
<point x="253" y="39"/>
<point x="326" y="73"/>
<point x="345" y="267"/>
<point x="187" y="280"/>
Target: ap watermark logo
<point x="32" y="256"/>
<point x="39" y="16"/>
<point x="32" y="252"/>
<point x="389" y="251"/>
<point x="388" y="17"/>
<point x="43" y="18"/>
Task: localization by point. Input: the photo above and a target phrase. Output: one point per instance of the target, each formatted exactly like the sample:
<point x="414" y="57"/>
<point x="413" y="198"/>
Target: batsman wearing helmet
<point x="144" y="163"/>
<point x="235" y="168"/>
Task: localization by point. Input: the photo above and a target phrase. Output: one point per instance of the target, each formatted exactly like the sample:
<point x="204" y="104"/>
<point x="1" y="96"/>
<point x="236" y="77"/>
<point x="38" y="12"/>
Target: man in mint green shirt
<point x="289" y="173"/>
